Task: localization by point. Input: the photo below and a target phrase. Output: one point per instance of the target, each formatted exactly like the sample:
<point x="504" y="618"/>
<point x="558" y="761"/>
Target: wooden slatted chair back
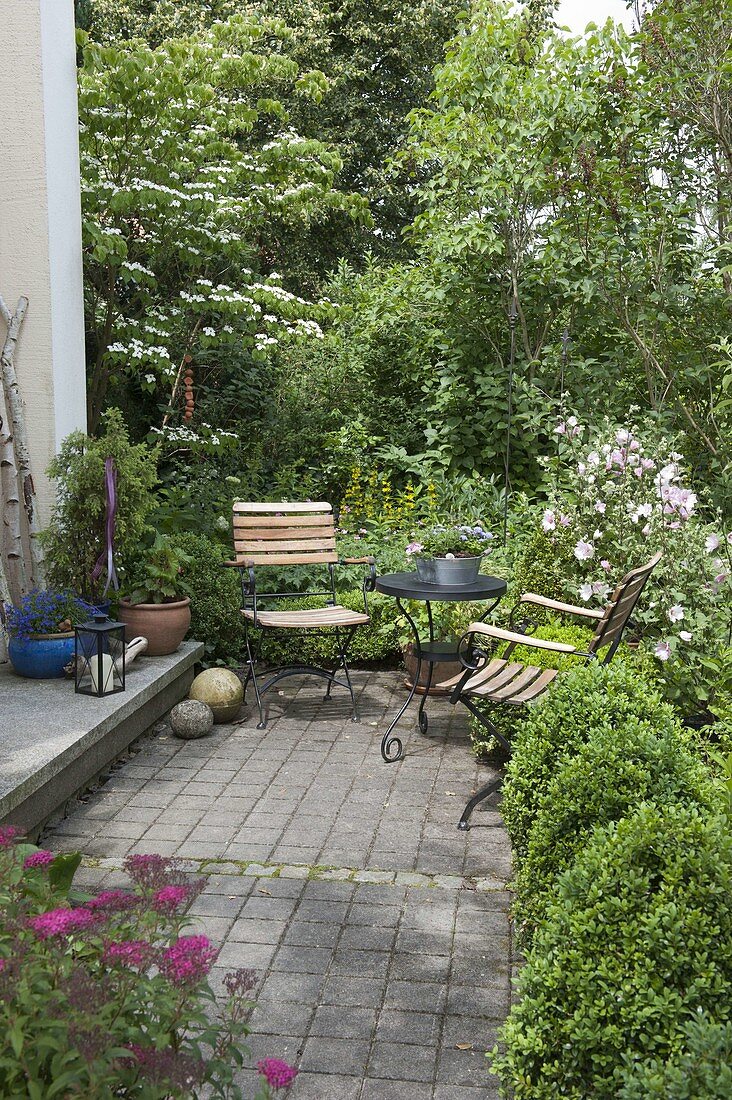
<point x="277" y="533"/>
<point x="615" y="618"/>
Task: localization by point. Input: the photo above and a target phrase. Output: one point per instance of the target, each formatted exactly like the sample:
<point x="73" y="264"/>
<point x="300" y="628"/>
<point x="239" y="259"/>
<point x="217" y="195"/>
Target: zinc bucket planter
<point x="165" y="625"/>
<point x="449" y="571"/>
<point x="41" y="656"/>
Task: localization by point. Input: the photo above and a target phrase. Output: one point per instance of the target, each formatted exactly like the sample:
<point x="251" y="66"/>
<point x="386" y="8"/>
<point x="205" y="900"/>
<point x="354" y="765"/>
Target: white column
<point x="40" y="221"/>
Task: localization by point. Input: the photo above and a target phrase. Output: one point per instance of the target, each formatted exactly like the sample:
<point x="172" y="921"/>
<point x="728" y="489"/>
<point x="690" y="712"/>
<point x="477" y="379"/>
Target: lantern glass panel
<point x="100" y="657"/>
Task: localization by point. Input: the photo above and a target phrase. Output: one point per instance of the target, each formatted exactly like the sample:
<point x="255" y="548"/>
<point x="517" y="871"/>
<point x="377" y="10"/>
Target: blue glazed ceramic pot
<point x="41" y="656"/>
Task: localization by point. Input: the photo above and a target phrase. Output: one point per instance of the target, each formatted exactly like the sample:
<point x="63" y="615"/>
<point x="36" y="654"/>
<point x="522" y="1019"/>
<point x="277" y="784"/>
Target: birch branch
<point x="16" y="412"/>
<point x="11" y="536"/>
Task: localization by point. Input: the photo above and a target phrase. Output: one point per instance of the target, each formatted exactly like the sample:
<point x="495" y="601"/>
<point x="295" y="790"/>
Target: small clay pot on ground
<point x="165" y="625"/>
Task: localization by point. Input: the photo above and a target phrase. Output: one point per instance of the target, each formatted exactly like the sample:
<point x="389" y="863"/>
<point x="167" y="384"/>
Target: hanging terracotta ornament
<point x="188" y="384"/>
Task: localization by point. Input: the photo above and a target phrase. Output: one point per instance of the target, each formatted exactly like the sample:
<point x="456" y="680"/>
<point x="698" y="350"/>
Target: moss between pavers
<point x="323" y="872"/>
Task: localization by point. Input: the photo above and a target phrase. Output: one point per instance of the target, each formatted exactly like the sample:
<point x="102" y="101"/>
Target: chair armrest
<point x="556" y="605"/>
<point x="502" y="635"/>
<point x="369" y="583"/>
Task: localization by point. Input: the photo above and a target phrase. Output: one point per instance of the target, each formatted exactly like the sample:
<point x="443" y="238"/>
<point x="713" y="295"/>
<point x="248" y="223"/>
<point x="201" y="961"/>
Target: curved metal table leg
<point x="422" y="714"/>
<point x="391" y="746"/>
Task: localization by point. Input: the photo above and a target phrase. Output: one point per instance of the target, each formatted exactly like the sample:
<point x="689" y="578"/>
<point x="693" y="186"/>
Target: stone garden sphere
<point x="221" y="689"/>
<point x="191" y="719"/>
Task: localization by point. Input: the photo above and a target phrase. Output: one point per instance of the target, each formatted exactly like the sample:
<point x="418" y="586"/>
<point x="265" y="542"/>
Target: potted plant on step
<point x="158" y="607"/>
<point x="450" y="555"/>
<point x="41" y="631"/>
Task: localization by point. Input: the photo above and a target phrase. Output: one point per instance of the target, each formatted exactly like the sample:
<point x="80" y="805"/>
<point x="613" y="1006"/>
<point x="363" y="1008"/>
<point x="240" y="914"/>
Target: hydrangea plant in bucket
<point x="450" y="555"/>
<point x="41" y="631"/>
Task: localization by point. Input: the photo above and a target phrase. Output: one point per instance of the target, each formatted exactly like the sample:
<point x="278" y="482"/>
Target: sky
<point x="576" y="14"/>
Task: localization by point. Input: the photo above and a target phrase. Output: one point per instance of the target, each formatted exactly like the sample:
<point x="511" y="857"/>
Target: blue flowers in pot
<point x="450" y="555"/>
<point x="41" y="631"/>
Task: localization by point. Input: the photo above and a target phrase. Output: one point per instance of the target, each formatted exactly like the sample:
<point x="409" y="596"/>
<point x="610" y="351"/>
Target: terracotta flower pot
<point x="163" y="624"/>
<point x="443" y="671"/>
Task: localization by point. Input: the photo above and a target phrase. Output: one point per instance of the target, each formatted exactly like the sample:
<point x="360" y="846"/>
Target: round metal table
<point x="408" y="586"/>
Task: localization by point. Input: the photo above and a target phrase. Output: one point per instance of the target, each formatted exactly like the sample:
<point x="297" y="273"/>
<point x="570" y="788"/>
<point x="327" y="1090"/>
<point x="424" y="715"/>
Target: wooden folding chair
<point x="500" y="680"/>
<point x="277" y="534"/>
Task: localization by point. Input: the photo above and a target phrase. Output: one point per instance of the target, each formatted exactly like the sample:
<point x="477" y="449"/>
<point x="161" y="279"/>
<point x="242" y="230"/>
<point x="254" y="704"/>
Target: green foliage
<point x="181" y="176"/>
<point x="215" y="595"/>
<point x="75" y="538"/>
<point x="585" y="699"/>
<point x="700" y="1070"/>
<point x="158" y="575"/>
<point x="606" y="777"/>
<point x="636" y="943"/>
<point x="377" y="56"/>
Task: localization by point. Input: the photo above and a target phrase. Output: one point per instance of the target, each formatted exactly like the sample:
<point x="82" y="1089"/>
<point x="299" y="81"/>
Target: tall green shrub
<point x="75" y="537"/>
<point x="702" y="1070"/>
<point x="215" y="600"/>
<point x="637" y="942"/>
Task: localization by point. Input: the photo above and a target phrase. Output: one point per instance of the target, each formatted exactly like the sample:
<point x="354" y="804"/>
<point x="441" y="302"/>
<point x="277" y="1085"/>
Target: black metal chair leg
<point x="480" y="796"/>
<point x="262" y="723"/>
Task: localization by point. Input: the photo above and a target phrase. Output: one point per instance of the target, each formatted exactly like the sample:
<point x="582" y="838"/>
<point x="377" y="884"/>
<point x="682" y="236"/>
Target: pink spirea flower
<point x="137" y="953"/>
<point x="60" y="922"/>
<point x="169" y="898"/>
<point x="152" y="871"/>
<point x="39" y="859"/>
<point x="8" y="834"/>
<point x="188" y="960"/>
<point x="277" y="1074"/>
<point x="112" y="900"/>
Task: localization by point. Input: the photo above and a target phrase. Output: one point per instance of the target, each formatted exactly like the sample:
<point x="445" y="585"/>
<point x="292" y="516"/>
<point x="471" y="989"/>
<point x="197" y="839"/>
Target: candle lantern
<point x="100" y="657"/>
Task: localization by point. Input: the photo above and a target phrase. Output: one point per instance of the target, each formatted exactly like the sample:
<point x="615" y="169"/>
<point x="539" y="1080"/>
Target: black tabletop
<point x="408" y="586"/>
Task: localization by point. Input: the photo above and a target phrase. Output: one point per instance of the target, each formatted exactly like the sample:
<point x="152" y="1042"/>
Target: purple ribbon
<point x="107" y="555"/>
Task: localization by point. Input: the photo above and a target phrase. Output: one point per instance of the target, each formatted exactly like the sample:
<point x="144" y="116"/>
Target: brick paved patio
<point x="380" y="932"/>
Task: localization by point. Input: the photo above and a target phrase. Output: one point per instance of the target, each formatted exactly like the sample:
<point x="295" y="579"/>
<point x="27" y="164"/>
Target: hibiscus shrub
<point x="621" y="494"/>
<point x="105" y="995"/>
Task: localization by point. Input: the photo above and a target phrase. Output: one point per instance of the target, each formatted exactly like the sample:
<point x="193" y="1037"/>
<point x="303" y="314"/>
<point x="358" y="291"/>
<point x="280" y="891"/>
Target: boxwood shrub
<point x="701" y="1070"/>
<point x="636" y="943"/>
<point x="215" y="601"/>
<point x="602" y="782"/>
<point x="593" y="697"/>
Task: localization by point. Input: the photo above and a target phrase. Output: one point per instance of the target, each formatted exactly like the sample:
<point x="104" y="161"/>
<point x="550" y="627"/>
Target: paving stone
<point x="312" y="934"/>
<point x="305" y="960"/>
<point x="257" y="930"/>
<point x="322" y="1054"/>
<point x="361" y="992"/>
<point x="333" y="1021"/>
<point x="402" y="1062"/>
<point x="322" y="1086"/>
<point x="298" y="988"/>
<point x="380" y="1089"/>
<point x="422" y="1028"/>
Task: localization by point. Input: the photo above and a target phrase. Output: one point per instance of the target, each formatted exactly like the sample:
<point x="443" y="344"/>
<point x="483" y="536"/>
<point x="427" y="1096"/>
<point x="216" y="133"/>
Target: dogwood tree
<point x="186" y="154"/>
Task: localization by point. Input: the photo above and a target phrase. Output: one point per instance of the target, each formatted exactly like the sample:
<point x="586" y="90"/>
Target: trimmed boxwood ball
<point x="606" y="779"/>
<point x="222" y="690"/>
<point x="636" y="943"/>
<point x="584" y="699"/>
